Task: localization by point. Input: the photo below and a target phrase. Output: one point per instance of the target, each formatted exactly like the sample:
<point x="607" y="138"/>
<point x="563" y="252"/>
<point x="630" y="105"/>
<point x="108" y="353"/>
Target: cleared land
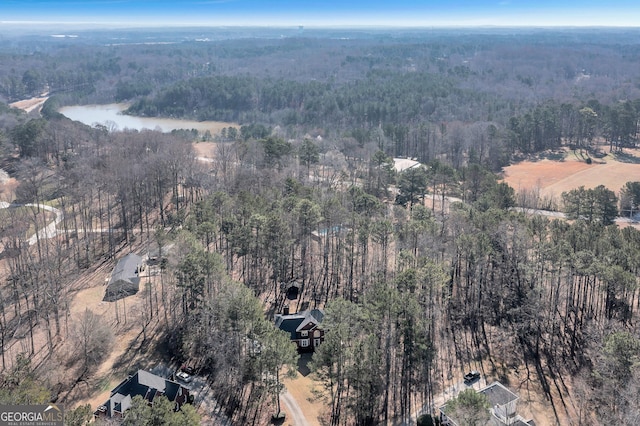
<point x="29" y="105"/>
<point x="552" y="177"/>
<point x="205" y="149"/>
<point x="131" y="349"/>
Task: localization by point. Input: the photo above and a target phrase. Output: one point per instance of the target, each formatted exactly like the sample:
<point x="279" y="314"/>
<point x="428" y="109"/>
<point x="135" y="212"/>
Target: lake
<point x="111" y="116"/>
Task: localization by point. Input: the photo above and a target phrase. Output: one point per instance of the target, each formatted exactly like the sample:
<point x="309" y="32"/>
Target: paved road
<point x="560" y="215"/>
<point x="203" y="398"/>
<point x="547" y="213"/>
<point x="51" y="229"/>
<point x="48" y="231"/>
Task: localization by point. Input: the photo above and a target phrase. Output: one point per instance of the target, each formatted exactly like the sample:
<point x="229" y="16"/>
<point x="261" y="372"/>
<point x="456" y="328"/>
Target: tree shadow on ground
<point x="624" y="157"/>
<point x="303" y="363"/>
<point x="144" y="353"/>
<point x="557" y="155"/>
<point x="552" y="156"/>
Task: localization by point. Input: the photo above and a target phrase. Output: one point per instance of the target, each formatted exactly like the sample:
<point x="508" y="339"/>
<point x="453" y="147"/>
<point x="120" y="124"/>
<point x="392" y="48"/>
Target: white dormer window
<point x="304" y="333"/>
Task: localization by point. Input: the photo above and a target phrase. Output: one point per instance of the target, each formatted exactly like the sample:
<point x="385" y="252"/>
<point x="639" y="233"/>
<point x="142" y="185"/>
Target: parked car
<point x="471" y="376"/>
<point x="188" y="369"/>
<point x="184" y="377"/>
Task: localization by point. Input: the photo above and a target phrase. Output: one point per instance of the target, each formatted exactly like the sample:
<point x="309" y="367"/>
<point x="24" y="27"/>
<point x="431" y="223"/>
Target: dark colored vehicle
<point x="188" y="369"/>
<point x="472" y="376"/>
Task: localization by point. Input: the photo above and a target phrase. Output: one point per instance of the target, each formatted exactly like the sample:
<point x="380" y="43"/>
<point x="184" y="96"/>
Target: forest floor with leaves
<point x="205" y="149"/>
<point x="125" y="355"/>
<point x="106" y="376"/>
<point x="130" y="350"/>
<point x="62" y="368"/>
<point x="504" y="365"/>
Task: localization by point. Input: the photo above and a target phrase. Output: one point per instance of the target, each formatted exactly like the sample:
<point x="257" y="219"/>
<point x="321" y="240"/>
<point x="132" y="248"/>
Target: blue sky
<point x="327" y="12"/>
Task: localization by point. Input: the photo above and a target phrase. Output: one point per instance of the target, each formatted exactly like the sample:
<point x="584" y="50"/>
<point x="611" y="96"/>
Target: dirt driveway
<point x="304" y="392"/>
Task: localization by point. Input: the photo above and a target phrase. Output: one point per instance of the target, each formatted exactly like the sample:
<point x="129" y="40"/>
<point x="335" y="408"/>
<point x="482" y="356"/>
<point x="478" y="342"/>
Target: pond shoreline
<point x="112" y="116"/>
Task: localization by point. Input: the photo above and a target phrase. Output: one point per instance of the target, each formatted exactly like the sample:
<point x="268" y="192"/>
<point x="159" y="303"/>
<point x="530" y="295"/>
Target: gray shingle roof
<point x="144" y="384"/>
<point x="126" y="269"/>
<point x="151" y="380"/>
<point x="125" y="278"/>
<point x="497" y="394"/>
<point x="317" y="314"/>
<point x="291" y="323"/>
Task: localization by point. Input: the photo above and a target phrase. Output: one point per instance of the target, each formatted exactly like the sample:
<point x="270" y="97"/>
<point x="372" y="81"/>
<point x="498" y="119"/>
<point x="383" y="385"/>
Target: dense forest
<point x="416" y="288"/>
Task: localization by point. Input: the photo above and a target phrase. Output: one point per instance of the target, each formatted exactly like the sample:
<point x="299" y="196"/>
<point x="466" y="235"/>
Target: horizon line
<point x="317" y="26"/>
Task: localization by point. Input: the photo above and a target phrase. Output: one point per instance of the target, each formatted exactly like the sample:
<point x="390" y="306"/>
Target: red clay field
<point x="553" y="177"/>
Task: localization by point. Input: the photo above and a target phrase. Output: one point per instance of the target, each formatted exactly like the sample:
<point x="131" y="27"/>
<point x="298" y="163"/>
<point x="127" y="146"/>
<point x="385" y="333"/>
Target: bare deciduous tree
<point x="92" y="338"/>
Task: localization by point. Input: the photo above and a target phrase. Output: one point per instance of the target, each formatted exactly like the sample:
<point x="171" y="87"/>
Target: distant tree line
<point x="550" y="126"/>
<point x="433" y="94"/>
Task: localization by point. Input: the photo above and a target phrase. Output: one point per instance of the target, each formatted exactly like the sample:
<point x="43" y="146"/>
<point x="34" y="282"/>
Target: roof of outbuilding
<point x="126" y="269"/>
<point x="402" y="164"/>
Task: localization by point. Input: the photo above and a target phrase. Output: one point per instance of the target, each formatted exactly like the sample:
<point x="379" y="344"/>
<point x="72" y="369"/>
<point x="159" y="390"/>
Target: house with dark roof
<point x="304" y="328"/>
<point x="125" y="278"/>
<point x="147" y="385"/>
<point x="502" y="406"/>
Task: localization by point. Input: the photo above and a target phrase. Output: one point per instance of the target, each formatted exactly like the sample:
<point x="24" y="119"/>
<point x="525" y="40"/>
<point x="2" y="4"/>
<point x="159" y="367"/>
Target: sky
<point x="407" y="13"/>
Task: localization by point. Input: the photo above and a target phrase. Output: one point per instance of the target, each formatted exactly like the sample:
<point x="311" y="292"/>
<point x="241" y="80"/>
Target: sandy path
<point x="303" y="392"/>
<point x="295" y="413"/>
<point x="29" y="105"/>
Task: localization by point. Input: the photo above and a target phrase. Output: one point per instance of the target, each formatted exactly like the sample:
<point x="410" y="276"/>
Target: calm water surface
<point x="111" y="116"/>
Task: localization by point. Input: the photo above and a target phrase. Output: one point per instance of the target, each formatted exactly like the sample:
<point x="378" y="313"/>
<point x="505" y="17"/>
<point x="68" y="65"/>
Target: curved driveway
<point x="297" y="416"/>
<point x="48" y="231"/>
